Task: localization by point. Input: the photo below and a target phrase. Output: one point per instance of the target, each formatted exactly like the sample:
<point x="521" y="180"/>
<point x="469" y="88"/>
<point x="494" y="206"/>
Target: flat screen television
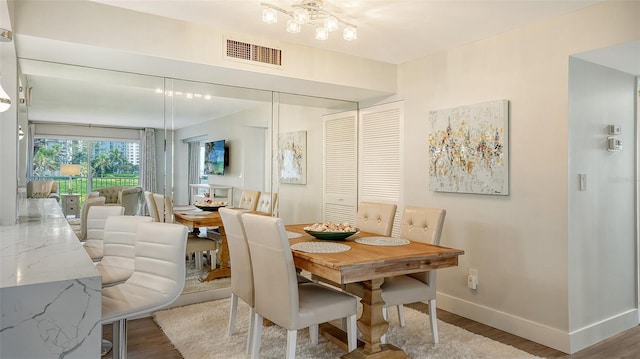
<point x="216" y="157"/>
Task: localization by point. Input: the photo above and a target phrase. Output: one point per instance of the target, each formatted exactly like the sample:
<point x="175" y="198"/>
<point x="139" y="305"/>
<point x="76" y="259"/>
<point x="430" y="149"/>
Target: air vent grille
<point x="250" y="52"/>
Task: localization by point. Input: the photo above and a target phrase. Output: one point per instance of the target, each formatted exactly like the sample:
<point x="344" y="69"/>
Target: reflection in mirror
<point x="300" y="166"/>
<point x="238" y="116"/>
<point x="172" y="121"/>
<point x="91" y="117"/>
<point x="212" y="120"/>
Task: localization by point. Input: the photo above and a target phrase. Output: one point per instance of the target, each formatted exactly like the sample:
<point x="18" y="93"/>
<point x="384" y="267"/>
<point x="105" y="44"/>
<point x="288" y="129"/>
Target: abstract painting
<point x="468" y="149"/>
<point x="292" y="157"/>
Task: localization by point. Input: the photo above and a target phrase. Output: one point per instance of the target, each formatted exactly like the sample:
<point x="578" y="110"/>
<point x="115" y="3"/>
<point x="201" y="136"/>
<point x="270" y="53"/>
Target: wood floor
<point x="146" y="340"/>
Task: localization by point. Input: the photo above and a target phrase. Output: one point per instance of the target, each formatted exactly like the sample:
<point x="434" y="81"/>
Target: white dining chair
<point x="164" y="207"/>
<point x="79" y="225"/>
<point x="96" y="219"/>
<point x="118" y="260"/>
<point x="425" y="225"/>
<point x="278" y="295"/>
<point x="157" y="280"/>
<point x="197" y="245"/>
<point x="376" y="218"/>
<point x="151" y="206"/>
<point x="242" y="276"/>
<point x="249" y="200"/>
<point x="266" y="203"/>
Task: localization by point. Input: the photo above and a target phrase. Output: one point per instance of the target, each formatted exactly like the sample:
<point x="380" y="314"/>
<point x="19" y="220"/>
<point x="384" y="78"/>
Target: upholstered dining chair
<point x="197" y="245"/>
<point x="96" y="218"/>
<point x="164" y="207"/>
<point x="266" y="203"/>
<point x="279" y="297"/>
<point x="157" y="280"/>
<point x="418" y="224"/>
<point x="118" y="258"/>
<point x="249" y="200"/>
<point x="151" y="206"/>
<point x="79" y="225"/>
<point x="376" y="218"/>
<point x="242" y="276"/>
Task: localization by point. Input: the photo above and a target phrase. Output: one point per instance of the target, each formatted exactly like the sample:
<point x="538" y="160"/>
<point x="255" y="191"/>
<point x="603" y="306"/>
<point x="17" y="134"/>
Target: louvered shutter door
<point x="340" y="175"/>
<point x="381" y="156"/>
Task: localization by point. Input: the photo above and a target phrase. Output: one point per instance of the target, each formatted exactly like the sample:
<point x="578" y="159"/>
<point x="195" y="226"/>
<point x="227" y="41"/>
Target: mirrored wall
<point x="271" y="142"/>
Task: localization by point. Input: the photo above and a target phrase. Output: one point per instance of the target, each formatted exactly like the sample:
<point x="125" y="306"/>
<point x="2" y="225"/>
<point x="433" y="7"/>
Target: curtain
<point x="148" y="164"/>
<point x="194" y="165"/>
<point x="32" y="132"/>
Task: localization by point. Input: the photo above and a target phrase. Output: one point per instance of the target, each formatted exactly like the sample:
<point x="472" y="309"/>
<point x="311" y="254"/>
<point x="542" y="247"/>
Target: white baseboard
<point x="539" y="333"/>
<point x="596" y="332"/>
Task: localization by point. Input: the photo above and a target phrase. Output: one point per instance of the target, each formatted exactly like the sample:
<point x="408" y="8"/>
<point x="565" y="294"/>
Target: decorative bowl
<point x="332" y="236"/>
<point x="213" y="207"/>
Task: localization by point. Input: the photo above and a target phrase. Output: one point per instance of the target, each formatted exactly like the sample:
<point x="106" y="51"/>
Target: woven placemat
<point x="383" y="241"/>
<point x="320" y="247"/>
<point x="293" y="235"/>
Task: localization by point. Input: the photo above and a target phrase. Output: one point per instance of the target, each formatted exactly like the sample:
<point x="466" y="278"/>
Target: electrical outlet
<point x="472" y="279"/>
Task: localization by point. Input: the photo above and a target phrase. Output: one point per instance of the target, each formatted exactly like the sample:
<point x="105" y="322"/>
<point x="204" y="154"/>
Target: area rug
<point x="200" y="331"/>
<point x="192" y="280"/>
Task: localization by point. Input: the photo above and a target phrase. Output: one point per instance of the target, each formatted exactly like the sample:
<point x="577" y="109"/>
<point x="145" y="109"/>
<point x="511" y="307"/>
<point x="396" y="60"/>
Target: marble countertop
<point x="41" y="247"/>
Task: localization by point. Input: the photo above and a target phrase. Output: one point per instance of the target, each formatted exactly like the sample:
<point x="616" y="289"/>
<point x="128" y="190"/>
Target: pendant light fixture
<point x="310" y="12"/>
<point x="5" y="100"/>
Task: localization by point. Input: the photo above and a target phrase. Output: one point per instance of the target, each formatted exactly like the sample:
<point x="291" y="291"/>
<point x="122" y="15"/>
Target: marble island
<point x="50" y="291"/>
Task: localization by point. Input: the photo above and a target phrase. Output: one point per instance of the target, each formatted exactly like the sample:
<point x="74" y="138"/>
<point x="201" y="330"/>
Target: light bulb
<point x="322" y="33"/>
<point x="331" y="23"/>
<point x="5" y="100"/>
<point x="269" y="15"/>
<point x="301" y="16"/>
<point x="293" y="27"/>
<point x="350" y="33"/>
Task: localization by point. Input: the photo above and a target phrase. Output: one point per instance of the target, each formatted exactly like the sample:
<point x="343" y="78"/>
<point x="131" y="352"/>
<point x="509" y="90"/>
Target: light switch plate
<point x="615" y="130"/>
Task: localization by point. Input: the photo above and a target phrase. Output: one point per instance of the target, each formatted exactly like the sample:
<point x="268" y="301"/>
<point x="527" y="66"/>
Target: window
<point x="102" y="163"/>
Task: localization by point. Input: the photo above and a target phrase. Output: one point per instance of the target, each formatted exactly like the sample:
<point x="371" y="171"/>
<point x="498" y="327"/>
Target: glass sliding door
<point x="101" y="163"/>
<point x="102" y="120"/>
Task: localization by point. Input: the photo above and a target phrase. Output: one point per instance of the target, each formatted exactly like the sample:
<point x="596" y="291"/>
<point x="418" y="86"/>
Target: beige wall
<point x="518" y="243"/>
<point x="148" y="44"/>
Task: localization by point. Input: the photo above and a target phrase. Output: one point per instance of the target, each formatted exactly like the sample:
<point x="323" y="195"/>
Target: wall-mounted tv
<point x="216" y="157"/>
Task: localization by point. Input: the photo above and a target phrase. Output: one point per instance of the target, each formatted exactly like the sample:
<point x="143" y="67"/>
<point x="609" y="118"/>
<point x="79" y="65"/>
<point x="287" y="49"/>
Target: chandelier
<point x="309" y="12"/>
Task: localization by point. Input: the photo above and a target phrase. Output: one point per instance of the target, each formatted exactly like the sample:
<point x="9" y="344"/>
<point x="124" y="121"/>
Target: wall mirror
<point x="69" y="104"/>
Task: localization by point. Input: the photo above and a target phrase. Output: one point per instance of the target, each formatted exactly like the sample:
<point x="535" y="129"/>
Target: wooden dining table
<point x="362" y="269"/>
<point x="196" y="219"/>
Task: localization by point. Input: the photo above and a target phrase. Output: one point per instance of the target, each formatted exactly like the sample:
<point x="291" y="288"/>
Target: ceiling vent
<point x="244" y="51"/>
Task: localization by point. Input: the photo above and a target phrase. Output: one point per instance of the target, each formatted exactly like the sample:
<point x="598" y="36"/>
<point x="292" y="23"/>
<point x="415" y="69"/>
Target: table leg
<point x="223" y="258"/>
<point x="372" y="325"/>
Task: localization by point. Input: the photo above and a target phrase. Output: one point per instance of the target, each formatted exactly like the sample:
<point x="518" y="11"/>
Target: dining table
<point x="361" y="270"/>
<point x="195" y="219"/>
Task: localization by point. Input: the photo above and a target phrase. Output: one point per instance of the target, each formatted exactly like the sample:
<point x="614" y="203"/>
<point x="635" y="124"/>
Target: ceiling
<point x="393" y="31"/>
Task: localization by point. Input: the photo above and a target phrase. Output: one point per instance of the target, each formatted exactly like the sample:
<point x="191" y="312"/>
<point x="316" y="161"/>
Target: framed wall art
<point x="292" y="157"/>
<point x="469" y="149"/>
